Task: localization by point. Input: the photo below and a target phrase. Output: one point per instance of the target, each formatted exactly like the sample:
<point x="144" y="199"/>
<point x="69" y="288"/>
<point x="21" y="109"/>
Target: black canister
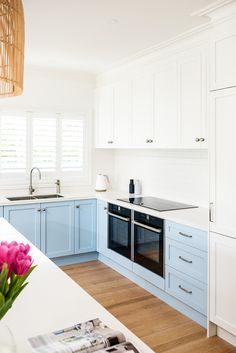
<point x="131" y="186"/>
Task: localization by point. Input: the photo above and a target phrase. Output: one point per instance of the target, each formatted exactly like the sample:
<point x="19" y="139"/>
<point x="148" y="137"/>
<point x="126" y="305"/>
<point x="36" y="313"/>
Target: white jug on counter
<point x="102" y="182"/>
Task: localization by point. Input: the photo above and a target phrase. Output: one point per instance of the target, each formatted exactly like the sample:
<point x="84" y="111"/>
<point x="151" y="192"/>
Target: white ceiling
<point x="91" y="35"/>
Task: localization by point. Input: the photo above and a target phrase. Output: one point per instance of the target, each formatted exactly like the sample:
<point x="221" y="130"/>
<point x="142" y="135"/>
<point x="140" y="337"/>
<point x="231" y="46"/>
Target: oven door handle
<point x="126" y="219"/>
<point x="156" y="230"/>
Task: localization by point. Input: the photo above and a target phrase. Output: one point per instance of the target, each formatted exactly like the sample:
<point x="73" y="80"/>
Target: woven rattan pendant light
<point x="12" y="38"/>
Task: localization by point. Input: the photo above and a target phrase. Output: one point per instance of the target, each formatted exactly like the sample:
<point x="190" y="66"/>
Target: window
<point x="72" y="144"/>
<point x="44" y="138"/>
<point x="13" y="143"/>
<point x="57" y="144"/>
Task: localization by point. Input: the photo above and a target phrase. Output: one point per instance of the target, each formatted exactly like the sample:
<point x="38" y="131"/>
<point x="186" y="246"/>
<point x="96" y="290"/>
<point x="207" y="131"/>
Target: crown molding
<point x="219" y="9"/>
<point x="158" y="47"/>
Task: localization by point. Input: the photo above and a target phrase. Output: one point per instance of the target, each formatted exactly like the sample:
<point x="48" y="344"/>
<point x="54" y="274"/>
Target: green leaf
<point x="19" y="281"/>
<point x="3" y="277"/>
<point x="5" y="308"/>
<point x="2" y="300"/>
<point x="19" y="291"/>
<point x="6" y="289"/>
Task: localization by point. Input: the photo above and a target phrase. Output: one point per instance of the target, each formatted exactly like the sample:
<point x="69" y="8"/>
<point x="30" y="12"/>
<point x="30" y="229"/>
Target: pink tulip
<point x="21" y="264"/>
<point x="15" y="256"/>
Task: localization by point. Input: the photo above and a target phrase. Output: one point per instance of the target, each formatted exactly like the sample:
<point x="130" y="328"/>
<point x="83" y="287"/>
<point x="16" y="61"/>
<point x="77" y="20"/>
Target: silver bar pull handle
<point x="185" y="260"/>
<point x="211" y="212"/>
<point x="126" y="219"/>
<point x="185" y="290"/>
<point x="156" y="230"/>
<point x="185" y="235"/>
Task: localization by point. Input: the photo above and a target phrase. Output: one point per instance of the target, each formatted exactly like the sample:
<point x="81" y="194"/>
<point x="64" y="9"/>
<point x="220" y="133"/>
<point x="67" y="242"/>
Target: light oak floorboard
<point x="161" y="327"/>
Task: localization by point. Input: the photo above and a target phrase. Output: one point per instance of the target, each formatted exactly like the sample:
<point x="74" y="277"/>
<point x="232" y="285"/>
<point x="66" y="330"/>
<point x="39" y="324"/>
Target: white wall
<point x="175" y="175"/>
<point x="46" y="89"/>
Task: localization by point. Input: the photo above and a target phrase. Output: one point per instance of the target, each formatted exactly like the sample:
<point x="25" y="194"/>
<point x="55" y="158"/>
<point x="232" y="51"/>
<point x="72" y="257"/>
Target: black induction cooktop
<point x="157" y="204"/>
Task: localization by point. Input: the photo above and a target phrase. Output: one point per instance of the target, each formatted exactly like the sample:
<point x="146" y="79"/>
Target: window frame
<point x="68" y="178"/>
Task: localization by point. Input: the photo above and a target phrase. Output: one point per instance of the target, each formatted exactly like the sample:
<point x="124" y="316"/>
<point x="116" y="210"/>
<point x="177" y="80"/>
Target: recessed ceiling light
<point x="113" y="21"/>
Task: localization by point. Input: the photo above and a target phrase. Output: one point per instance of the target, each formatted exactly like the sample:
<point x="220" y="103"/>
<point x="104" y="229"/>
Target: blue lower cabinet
<point x="1" y="211"/>
<point x="187" y="289"/>
<point x="85" y="226"/>
<point x="57" y="228"/>
<point x="186" y="259"/>
<point x="102" y="228"/>
<point x="26" y="219"/>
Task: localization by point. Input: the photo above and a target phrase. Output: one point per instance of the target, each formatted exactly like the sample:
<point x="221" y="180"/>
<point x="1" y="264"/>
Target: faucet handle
<point x="58" y="184"/>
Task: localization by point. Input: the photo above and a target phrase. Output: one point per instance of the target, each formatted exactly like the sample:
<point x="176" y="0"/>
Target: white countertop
<point x="52" y="300"/>
<point x="195" y="217"/>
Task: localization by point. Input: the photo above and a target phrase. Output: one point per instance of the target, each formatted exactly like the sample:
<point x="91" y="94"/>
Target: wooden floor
<point x="161" y="327"/>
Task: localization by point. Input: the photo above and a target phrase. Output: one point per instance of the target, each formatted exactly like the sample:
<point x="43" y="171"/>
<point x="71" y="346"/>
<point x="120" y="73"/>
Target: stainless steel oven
<point x="119" y="230"/>
<point x="137" y="236"/>
<point x="148" y="242"/>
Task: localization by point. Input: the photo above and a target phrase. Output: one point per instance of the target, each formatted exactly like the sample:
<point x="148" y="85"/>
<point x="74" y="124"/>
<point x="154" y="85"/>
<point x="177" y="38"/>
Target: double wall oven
<point x="137" y="236"/>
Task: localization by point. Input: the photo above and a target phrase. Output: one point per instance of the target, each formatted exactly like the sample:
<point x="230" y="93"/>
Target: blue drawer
<point x="187" y="235"/>
<point x="187" y="290"/>
<point x="186" y="259"/>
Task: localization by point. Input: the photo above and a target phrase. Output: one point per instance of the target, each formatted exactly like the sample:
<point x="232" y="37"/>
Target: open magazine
<point x="87" y="337"/>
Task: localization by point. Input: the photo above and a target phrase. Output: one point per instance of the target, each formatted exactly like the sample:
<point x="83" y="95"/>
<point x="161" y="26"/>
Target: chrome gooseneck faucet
<point x="31" y="189"/>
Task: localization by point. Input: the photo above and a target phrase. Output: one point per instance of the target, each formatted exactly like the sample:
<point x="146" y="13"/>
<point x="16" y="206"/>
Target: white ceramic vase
<point x="7" y="342"/>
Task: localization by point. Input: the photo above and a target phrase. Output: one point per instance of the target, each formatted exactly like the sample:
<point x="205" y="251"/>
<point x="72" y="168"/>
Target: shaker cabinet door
<point x="223" y="55"/>
<point x="102" y="227"/>
<point x="57" y="228"/>
<point x="143" y="111"/>
<point x="85" y="226"/>
<point x="26" y="219"/>
<point x="123" y="114"/>
<point x="223" y="162"/>
<point x="166" y="122"/>
<point x="192" y="101"/>
<point x="104" y="116"/>
<point x="222" y="281"/>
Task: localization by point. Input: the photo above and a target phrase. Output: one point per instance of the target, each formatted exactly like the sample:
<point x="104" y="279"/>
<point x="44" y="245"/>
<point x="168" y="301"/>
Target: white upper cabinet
<point x="123" y="114"/>
<point x="104" y="120"/>
<point x="166" y="107"/>
<point x="223" y="56"/>
<point x="143" y="110"/>
<point x="223" y="162"/>
<point x="192" y="100"/>
<point x="162" y="106"/>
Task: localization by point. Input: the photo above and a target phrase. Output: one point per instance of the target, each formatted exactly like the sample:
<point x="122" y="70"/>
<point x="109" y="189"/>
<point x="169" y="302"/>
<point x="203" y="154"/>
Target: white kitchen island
<point x="52" y="301"/>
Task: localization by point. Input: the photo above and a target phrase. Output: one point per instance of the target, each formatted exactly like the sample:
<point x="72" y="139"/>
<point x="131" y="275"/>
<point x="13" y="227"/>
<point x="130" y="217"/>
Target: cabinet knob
<point x="110" y="142"/>
<point x="197" y="139"/>
<point x="105" y="208"/>
<point x="43" y="209"/>
<point x="147" y="141"/>
<point x="77" y="206"/>
<point x="202" y="139"/>
<point x="150" y="141"/>
<point x="39" y="210"/>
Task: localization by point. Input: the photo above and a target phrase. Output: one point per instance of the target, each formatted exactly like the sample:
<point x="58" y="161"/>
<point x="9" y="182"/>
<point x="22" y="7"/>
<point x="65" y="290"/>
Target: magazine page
<point x="125" y="347"/>
<point x="85" y="337"/>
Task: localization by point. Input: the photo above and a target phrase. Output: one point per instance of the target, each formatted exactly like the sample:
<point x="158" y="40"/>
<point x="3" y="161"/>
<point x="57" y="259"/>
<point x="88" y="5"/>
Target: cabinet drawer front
<point x="187" y="235"/>
<point x="187" y="290"/>
<point x="191" y="261"/>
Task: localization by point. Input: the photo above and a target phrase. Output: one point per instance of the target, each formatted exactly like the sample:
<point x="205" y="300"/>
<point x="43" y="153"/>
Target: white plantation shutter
<point x="44" y="137"/>
<point x="55" y="143"/>
<point x="13" y="139"/>
<point x="72" y="149"/>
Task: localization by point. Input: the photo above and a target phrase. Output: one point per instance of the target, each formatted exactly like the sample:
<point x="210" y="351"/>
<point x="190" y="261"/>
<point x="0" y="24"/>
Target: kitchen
<point x="161" y="115"/>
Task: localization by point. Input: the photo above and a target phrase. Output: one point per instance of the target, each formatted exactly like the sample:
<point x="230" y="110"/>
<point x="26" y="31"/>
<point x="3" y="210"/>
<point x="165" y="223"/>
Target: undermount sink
<point x="28" y="198"/>
<point x="50" y="196"/>
<point x="21" y="198"/>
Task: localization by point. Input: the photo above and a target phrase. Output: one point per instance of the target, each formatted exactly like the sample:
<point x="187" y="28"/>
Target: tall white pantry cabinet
<point x="222" y="258"/>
